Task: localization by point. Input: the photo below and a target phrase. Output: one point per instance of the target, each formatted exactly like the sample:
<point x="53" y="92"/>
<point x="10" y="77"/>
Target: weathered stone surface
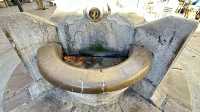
<point x="144" y="87"/>
<point x="173" y="106"/>
<point x="129" y="102"/>
<point x="8" y="62"/>
<point x="5" y="45"/>
<point x="16" y="92"/>
<point x="164" y="38"/>
<point x="174" y="85"/>
<point x="182" y="80"/>
<point x="39" y="88"/>
<point x="194" y="42"/>
<point x="191" y="71"/>
<point x="52" y="102"/>
<point x="29" y="33"/>
<point x="20" y="97"/>
<point x="45" y="104"/>
<point x="114" y="33"/>
<point x="20" y="80"/>
<point x="159" y="97"/>
<point x="97" y="99"/>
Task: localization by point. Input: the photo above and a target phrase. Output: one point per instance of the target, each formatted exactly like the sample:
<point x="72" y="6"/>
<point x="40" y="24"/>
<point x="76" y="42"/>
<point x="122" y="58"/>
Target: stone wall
<point x="112" y="32"/>
<point x="28" y="33"/>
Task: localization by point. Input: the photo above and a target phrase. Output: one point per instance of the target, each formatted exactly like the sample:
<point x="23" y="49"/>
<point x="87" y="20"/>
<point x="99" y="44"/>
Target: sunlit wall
<point x="150" y="9"/>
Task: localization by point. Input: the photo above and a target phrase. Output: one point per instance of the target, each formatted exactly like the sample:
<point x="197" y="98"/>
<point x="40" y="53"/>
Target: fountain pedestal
<point x="97" y="99"/>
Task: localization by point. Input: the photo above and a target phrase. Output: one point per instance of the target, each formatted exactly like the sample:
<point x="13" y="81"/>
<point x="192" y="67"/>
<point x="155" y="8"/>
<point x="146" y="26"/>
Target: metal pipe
<point x="19" y="6"/>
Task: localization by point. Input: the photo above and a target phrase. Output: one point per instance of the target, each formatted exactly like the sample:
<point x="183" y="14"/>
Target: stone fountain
<point x="96" y="31"/>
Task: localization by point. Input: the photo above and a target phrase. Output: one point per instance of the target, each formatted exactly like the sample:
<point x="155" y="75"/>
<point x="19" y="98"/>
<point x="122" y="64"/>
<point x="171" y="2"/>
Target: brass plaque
<point x="95" y="14"/>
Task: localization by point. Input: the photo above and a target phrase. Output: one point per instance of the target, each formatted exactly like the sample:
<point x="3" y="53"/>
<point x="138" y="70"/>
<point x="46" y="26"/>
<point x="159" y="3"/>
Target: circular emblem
<point x="95" y="14"/>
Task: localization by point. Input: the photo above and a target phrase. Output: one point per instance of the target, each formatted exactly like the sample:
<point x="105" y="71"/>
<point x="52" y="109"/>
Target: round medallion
<point x="95" y="14"/>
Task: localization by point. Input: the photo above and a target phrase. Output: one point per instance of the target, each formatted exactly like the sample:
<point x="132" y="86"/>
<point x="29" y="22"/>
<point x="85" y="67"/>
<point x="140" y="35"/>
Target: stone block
<point x="164" y="38"/>
<point x="113" y="33"/>
<point x="29" y="32"/>
<point x="182" y="80"/>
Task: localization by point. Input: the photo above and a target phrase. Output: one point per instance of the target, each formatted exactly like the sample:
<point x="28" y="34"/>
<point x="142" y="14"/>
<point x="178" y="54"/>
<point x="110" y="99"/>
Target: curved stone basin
<point x="92" y="81"/>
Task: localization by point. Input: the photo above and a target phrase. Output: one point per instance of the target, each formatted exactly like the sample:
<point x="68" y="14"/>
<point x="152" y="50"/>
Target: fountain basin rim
<point x="92" y="81"/>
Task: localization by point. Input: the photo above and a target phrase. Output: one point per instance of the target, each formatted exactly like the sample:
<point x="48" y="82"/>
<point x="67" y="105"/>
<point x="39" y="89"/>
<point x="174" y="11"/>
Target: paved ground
<point x="9" y="60"/>
<point x="188" y="64"/>
<point x="8" y="57"/>
<point x="28" y="7"/>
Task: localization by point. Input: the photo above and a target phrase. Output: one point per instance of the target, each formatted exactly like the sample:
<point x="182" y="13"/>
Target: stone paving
<point x="16" y="92"/>
<point x="9" y="59"/>
<point x="8" y="62"/>
<point x="28" y="7"/>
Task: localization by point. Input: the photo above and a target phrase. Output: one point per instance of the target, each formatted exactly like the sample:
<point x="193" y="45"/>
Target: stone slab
<point x="173" y="85"/>
<point x="16" y="100"/>
<point x="8" y="62"/>
<point x="195" y="40"/>
<point x="173" y="106"/>
<point x="190" y="68"/>
<point x="164" y="38"/>
<point x="182" y="80"/>
<point x="16" y="92"/>
<point x="20" y="80"/>
<point x="41" y="105"/>
<point x="29" y="32"/>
